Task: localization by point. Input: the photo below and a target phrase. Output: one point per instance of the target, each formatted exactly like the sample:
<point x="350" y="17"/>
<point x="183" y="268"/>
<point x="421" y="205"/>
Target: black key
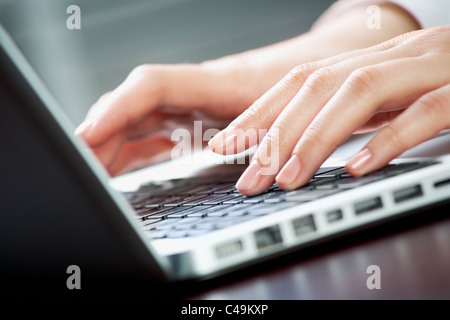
<point x="310" y="195"/>
<point x="196" y="200"/>
<point x="215" y="199"/>
<point x="392" y="170"/>
<point x="324" y="183"/>
<point x="239" y="209"/>
<point x="166" y="224"/>
<point x="274" y="200"/>
<point x="219" y="211"/>
<point x="180" y="212"/>
<point x="160" y="201"/>
<point x="196" y="190"/>
<point x="353" y="182"/>
<point x="326" y="169"/>
<point x="224" y="188"/>
<point x="155" y="213"/>
<point x="234" y="198"/>
<point x="331" y="174"/>
<point x="198" y="211"/>
<point x="187" y="223"/>
<point x="150" y="224"/>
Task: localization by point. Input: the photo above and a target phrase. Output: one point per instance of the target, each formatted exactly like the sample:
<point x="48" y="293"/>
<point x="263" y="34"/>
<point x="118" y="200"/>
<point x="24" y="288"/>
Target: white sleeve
<point x="428" y="13"/>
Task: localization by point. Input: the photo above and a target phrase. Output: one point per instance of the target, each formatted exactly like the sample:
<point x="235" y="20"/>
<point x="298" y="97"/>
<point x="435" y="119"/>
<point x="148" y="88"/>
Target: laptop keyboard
<point x="195" y="206"/>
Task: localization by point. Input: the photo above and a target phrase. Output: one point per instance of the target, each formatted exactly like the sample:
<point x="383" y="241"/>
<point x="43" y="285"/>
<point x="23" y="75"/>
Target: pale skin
<point x="333" y="88"/>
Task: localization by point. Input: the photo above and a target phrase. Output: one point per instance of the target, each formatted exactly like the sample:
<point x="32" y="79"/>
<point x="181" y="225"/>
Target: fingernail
<point x="250" y="178"/>
<point x="84" y="126"/>
<point x="223" y="141"/>
<point x="359" y="161"/>
<point x="290" y="171"/>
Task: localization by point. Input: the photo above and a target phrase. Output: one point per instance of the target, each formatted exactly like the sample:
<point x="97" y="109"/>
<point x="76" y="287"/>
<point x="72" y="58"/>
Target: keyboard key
<point x="166" y="224"/>
<point x="234" y="198"/>
<point x="310" y="195"/>
<point x="196" y="206"/>
<point x="150" y="224"/>
<point x="215" y="199"/>
<point x="198" y="211"/>
<point x="331" y="174"/>
<point x="219" y="211"/>
<point x="156" y="213"/>
<point x="196" y="200"/>
<point x="353" y="182"/>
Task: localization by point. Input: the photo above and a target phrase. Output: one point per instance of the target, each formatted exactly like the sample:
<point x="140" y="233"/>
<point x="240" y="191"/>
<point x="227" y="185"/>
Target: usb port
<point x="334" y="215"/>
<point x="407" y="194"/>
<point x="229" y="248"/>
<point x="368" y="205"/>
<point x="268" y="237"/>
<point x="304" y="225"/>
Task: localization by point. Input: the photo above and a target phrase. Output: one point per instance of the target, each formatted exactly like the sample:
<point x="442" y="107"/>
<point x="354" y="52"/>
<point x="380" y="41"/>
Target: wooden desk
<point x="413" y="255"/>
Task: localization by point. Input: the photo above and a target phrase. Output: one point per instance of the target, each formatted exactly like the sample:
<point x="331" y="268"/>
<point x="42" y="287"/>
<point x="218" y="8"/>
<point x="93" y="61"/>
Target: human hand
<point x="401" y="86"/>
<point x="131" y="126"/>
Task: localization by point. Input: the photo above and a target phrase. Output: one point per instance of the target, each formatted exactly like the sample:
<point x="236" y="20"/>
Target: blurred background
<point x="78" y="66"/>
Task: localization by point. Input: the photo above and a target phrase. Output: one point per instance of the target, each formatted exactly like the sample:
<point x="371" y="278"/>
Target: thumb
<point x="140" y="93"/>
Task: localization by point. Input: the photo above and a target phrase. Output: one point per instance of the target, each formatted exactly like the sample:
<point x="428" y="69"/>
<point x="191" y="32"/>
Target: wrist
<point x="351" y="28"/>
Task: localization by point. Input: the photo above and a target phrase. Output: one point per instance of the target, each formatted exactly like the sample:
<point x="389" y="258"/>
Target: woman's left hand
<point x="401" y="86"/>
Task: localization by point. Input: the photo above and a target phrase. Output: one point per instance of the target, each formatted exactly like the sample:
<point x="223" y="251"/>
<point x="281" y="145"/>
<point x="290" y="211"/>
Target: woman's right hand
<point x="131" y="126"/>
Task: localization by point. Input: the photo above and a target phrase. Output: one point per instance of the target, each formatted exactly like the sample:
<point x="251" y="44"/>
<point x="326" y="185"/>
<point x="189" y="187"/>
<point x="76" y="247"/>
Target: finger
<point x="260" y="116"/>
<point x="354" y="104"/>
<point x="141" y="153"/>
<point x="428" y="116"/>
<point x="146" y="88"/>
<point x="379" y="120"/>
<point x="277" y="145"/>
<point x="108" y="151"/>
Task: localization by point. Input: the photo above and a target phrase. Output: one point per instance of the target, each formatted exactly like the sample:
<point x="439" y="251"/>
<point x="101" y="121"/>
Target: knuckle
<point x="313" y="138"/>
<point x="273" y="138"/>
<point x="364" y="80"/>
<point x="254" y="113"/>
<point x="141" y="70"/>
<point x="392" y="138"/>
<point x="300" y="73"/>
<point x="273" y="142"/>
<point x="435" y="105"/>
<point x="321" y="80"/>
<point x="145" y="71"/>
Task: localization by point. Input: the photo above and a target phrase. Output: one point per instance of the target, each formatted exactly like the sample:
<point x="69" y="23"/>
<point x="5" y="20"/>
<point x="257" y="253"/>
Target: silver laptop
<point x="174" y="221"/>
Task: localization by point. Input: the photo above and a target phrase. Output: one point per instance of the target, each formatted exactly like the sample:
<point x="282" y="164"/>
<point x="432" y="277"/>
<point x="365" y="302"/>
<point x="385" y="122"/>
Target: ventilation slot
<point x="442" y="183"/>
<point x="407" y="194"/>
<point x="229" y="248"/>
<point x="304" y="225"/>
<point x="334" y="215"/>
<point x="268" y="237"/>
<point x="368" y="205"/>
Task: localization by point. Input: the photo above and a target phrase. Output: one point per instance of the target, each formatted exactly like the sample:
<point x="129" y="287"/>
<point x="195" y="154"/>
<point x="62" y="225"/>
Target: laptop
<point x="171" y="222"/>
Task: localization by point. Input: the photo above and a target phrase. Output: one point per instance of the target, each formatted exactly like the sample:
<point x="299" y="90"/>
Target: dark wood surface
<point x="413" y="255"/>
